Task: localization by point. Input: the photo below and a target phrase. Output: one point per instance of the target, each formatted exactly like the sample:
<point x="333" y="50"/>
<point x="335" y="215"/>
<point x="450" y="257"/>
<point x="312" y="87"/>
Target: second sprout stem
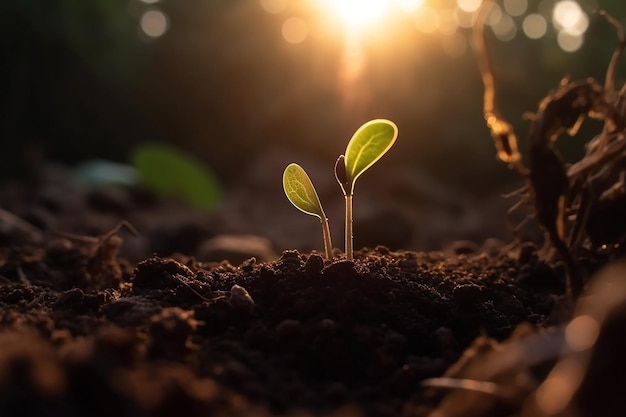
<point x="349" y="239"/>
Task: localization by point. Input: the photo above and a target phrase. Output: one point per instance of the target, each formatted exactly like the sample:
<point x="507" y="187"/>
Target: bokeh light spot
<point x="427" y="20"/>
<point x="580" y="27"/>
<point x="149" y="1"/>
<point x="447" y="22"/>
<point x="505" y="29"/>
<point x="553" y="395"/>
<point x="495" y="15"/>
<point x="464" y="19"/>
<point x="274" y="6"/>
<point x="295" y="30"/>
<point x="534" y="26"/>
<point x="569" y="42"/>
<point x="516" y="7"/>
<point x="154" y="23"/>
<point x="469" y="5"/>
<point x="567" y="15"/>
<point x="582" y="332"/>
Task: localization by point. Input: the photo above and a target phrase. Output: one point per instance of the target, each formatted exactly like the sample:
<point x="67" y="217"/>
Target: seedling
<point x="300" y="191"/>
<point x="368" y="144"/>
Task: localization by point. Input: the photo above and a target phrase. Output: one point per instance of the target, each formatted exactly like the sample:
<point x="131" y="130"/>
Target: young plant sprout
<point x="368" y="144"/>
<point x="300" y="191"/>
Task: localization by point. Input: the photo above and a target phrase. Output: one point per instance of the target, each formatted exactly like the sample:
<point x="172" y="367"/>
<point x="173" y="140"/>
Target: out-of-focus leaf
<point x="173" y="173"/>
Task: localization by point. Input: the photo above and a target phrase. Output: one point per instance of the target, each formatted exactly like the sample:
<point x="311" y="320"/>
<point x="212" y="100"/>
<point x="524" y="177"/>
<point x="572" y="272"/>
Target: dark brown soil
<point x="84" y="332"/>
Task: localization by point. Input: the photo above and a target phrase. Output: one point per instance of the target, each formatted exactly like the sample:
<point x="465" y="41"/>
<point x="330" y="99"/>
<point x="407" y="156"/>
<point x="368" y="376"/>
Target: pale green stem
<point x="349" y="255"/>
<point x="328" y="245"/>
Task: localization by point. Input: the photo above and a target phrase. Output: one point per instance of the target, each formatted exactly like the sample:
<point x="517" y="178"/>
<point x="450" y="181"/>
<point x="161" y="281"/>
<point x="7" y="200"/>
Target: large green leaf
<point x="368" y="144"/>
<point x="300" y="191"/>
<point x="173" y="173"/>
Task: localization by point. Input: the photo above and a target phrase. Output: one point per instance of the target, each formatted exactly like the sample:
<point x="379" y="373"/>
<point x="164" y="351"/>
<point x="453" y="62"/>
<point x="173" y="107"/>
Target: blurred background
<point x="247" y="86"/>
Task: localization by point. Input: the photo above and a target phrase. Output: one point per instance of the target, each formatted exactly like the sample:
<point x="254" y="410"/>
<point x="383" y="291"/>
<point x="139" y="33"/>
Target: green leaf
<point x="170" y="172"/>
<point x="368" y="144"/>
<point x="300" y="191"/>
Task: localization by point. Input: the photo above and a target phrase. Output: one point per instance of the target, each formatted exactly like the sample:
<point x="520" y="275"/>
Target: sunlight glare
<point x="353" y="60"/>
<point x="357" y="13"/>
<point x="427" y="20"/>
<point x="447" y="24"/>
<point x="410" y="6"/>
<point x="360" y="20"/>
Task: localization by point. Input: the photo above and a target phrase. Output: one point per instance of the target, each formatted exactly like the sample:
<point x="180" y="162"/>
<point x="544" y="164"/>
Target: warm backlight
<point x="357" y="13"/>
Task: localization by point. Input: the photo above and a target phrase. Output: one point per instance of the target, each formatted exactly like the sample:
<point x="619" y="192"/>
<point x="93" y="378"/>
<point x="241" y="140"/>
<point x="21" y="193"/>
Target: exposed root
<point x="565" y="198"/>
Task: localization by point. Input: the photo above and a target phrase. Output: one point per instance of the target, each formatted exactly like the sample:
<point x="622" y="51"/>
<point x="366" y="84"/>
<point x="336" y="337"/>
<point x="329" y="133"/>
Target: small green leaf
<point x="368" y="144"/>
<point x="300" y="191"/>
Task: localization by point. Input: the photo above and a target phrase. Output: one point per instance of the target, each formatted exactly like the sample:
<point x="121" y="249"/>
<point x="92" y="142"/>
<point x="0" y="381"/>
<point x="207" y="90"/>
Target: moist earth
<point x="85" y="331"/>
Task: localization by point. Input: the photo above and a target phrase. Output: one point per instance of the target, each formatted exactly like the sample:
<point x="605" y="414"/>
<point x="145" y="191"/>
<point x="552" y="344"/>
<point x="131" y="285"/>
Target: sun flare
<point x="360" y="12"/>
<point x="363" y="18"/>
<point x="356" y="14"/>
<point x="362" y="21"/>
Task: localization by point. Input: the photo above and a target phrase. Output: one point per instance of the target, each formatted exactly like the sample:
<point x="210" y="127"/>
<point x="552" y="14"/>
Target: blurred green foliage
<point x="170" y="172"/>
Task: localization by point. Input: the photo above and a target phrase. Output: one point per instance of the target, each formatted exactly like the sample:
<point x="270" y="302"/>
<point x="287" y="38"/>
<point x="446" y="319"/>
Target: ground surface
<point x="84" y="331"/>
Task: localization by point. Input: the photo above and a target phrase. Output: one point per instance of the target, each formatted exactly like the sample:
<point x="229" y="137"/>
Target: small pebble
<point x="314" y="264"/>
<point x="248" y="264"/>
<point x="467" y="294"/>
<point x="240" y="299"/>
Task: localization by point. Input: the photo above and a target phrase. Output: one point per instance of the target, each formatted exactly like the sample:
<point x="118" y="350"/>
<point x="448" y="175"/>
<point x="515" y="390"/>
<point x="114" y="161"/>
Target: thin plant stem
<point x="328" y="245"/>
<point x="349" y="255"/>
